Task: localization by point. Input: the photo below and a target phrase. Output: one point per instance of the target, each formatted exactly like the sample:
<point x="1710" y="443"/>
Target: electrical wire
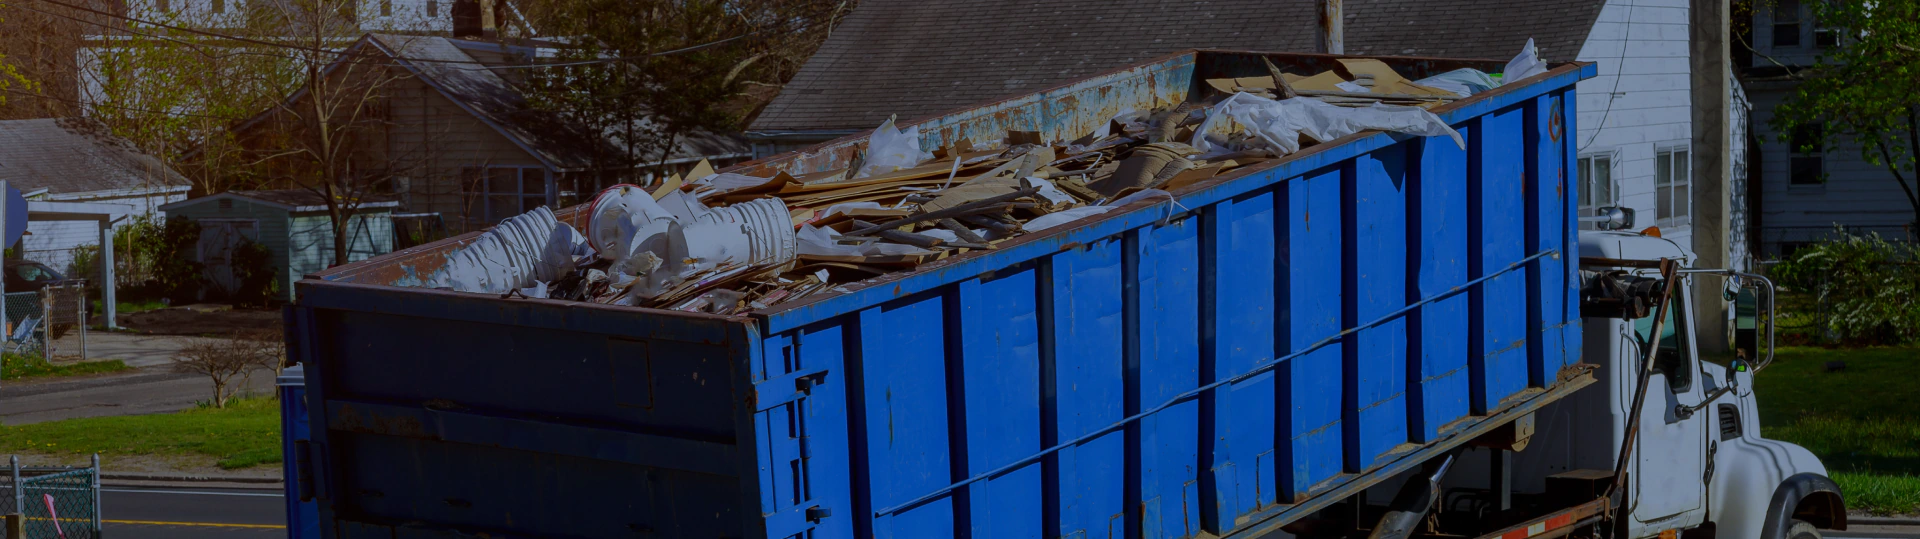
<point x="120" y="107"/>
<point x="316" y="50"/>
<point x="1619" y="72"/>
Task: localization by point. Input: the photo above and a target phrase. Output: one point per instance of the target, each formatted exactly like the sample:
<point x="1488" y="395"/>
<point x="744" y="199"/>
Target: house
<point x="1635" y="129"/>
<point x="456" y="138"/>
<point x="293" y="224"/>
<point x="1801" y="196"/>
<point x="75" y="160"/>
<point x="910" y="59"/>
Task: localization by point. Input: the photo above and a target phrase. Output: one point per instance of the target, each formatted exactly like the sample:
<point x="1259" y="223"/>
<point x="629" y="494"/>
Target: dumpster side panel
<point x="1438" y="210"/>
<point x="1168" y="356"/>
<point x="1314" y="306"/>
<point x="1000" y="360"/>
<point x="1242" y="231"/>
<point x="1497" y="175"/>
<point x="523" y="419"/>
<point x="1376" y="406"/>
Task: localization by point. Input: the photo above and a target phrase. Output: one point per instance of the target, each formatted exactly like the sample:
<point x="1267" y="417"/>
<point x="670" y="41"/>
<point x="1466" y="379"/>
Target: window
<point x="1596" y="185"/>
<point x="219" y="6"/>
<point x="1673" y="184"/>
<point x="502" y="192"/>
<point x="433" y="8"/>
<point x="386" y="8"/>
<point x="163" y="5"/>
<point x="1807" y="151"/>
<point x="1786" y="23"/>
<point x="1672" y="359"/>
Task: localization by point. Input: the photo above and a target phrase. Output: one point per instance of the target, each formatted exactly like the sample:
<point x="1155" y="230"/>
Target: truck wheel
<point x="1802" y="530"/>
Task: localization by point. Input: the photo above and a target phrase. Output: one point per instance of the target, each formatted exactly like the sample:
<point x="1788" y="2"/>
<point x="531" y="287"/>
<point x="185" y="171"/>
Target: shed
<point x="292" y="223"/>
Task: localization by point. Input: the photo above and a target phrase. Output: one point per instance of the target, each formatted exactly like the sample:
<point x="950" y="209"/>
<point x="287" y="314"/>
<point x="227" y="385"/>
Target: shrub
<point x="253" y="268"/>
<point x="224" y="360"/>
<point x="152" y="259"/>
<point x="1866" y="289"/>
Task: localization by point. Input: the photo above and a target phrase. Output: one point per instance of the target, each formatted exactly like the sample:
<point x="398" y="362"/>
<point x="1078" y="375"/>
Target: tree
<point x="1865" y="89"/>
<point x="329" y="138"/>
<point x="654" y="71"/>
<point x="10" y="74"/>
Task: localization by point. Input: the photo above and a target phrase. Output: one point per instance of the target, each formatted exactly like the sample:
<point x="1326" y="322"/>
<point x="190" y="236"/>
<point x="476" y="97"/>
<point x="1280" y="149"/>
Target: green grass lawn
<point x="129" y="307"/>
<point x="1863" y="422"/>
<point x="15" y="367"/>
<point x="244" y="434"/>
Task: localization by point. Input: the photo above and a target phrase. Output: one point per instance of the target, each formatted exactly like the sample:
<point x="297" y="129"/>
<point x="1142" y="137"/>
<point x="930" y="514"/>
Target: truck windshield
<point x="1671" y="360"/>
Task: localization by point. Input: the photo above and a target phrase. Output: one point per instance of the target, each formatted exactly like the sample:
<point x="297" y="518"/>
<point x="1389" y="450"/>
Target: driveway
<point x="135" y="349"/>
<point x="150" y="388"/>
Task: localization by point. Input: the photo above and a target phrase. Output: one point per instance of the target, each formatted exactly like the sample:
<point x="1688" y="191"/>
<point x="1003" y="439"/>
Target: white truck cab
<point x="1698" y="462"/>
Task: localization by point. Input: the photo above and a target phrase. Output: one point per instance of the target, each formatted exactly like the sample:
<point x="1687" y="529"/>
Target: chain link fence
<point x="36" y="319"/>
<point x="55" y="502"/>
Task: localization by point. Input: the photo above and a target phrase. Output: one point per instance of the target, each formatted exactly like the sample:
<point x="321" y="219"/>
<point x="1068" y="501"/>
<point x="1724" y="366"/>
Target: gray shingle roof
<point x="71" y="155"/>
<point x="917" y="58"/>
<point x="562" y="145"/>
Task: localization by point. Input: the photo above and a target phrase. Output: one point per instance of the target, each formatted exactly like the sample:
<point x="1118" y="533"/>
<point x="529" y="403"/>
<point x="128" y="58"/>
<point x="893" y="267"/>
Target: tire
<point x="1802" y="530"/>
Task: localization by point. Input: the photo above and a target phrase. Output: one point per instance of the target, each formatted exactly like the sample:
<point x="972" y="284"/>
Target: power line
<point x="125" y="108"/>
<point x="328" y="52"/>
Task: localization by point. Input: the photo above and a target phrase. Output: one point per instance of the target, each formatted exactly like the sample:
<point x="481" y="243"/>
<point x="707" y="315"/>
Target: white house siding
<point x="1861" y="196"/>
<point x="1856" y="194"/>
<point x="52" y="242"/>
<point x="1640" y="101"/>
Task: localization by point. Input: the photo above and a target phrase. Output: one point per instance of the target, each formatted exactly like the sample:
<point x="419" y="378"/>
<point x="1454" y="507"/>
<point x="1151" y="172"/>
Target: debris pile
<point x="729" y="243"/>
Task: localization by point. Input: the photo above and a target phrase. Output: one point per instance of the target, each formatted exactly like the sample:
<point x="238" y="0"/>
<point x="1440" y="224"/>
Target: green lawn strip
<point x="1877" y="382"/>
<point x="15" y="367"/>
<point x="1880" y="493"/>
<point x="244" y="434"/>
<point x="1862" y="421"/>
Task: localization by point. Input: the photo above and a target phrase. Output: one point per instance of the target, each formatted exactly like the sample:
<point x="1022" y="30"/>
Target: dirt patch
<point x="185" y="321"/>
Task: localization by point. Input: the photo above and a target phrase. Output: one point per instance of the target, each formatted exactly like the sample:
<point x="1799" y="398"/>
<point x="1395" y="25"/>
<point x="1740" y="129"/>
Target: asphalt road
<point x="186" y="513"/>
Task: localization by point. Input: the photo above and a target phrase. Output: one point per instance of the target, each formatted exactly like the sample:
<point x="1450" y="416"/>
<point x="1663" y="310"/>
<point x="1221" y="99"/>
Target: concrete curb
<point x="1883" y="521"/>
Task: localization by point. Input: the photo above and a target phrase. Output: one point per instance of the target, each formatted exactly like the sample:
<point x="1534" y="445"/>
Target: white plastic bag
<point x="890" y="149"/>
<point x="1280" y="124"/>
<point x="1465" y="81"/>
<point x="1526" y="64"/>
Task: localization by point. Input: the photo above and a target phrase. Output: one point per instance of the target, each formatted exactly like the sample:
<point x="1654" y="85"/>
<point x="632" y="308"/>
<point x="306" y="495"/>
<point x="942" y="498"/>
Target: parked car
<point x="27" y="275"/>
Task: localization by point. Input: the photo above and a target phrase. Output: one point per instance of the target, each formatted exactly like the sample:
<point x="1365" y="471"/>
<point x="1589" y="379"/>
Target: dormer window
<point x="1786" y="23"/>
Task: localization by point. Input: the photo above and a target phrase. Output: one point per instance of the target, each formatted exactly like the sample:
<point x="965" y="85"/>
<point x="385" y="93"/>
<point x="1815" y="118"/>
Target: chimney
<point x="1332" y="33"/>
<point x="466" y="18"/>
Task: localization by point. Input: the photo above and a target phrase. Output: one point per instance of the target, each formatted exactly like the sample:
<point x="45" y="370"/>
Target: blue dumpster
<point x="303" y="515"/>
<point x="1266" y="342"/>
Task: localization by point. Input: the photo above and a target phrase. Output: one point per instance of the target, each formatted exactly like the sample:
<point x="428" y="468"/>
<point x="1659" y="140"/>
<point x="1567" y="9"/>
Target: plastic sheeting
<point x="1280" y="124"/>
<point x="1465" y="81"/>
<point x="890" y="149"/>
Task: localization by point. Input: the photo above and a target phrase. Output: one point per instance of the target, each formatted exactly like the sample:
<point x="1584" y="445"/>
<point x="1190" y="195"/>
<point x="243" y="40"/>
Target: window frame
<point x="1588" y="199"/>
<point x="1797" y="24"/>
<point x="1679" y="369"/>
<point x="481" y="189"/>
<point x="1678" y="193"/>
<point x="1797" y="152"/>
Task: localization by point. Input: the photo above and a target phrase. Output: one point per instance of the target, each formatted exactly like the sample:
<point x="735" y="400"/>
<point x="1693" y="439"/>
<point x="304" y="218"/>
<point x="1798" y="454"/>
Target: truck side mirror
<point x="1740" y="376"/>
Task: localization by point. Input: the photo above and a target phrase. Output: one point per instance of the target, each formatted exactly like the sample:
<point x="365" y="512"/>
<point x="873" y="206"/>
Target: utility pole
<point x="1709" y="60"/>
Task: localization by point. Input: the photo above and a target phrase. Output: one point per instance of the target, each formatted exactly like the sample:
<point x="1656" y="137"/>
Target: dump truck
<point x="1380" y="335"/>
